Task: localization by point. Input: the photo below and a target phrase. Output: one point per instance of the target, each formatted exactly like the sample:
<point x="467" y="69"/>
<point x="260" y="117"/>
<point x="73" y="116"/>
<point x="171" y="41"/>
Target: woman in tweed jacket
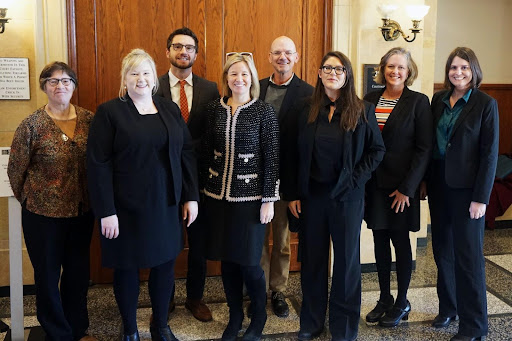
<point x="240" y="181"/>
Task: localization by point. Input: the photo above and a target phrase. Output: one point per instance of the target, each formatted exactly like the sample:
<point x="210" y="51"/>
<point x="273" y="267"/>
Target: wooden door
<point x="102" y="32"/>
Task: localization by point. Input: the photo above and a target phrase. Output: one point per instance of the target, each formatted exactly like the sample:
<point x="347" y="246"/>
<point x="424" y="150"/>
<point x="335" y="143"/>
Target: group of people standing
<point x="265" y="149"/>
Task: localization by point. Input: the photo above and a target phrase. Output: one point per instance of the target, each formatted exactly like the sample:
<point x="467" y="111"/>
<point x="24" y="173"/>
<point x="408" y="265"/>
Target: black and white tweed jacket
<point x="240" y="152"/>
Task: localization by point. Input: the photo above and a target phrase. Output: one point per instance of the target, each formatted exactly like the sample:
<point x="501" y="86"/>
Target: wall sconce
<point x="3" y="19"/>
<point x="391" y="30"/>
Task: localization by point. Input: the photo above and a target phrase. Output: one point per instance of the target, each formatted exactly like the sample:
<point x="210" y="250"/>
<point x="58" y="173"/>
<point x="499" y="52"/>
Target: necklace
<point x="145" y="109"/>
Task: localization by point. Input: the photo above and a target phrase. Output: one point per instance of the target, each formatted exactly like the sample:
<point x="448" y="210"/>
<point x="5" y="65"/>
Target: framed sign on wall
<point x="369" y="85"/>
<point x="14" y="78"/>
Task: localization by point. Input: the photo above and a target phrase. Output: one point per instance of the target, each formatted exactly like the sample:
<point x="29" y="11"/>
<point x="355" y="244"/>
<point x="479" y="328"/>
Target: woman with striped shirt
<point x="392" y="194"/>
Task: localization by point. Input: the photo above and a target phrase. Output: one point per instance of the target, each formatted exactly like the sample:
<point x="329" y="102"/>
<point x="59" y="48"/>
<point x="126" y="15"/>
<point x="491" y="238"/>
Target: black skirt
<point x="379" y="215"/>
<point x="234" y="231"/>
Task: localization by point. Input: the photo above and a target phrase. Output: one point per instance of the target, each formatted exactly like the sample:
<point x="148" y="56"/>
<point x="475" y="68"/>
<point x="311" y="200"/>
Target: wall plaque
<point x="14" y="78"/>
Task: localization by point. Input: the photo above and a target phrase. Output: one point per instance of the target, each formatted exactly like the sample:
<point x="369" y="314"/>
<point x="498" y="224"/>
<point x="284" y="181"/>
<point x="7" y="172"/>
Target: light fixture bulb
<point x="386" y="10"/>
<point x="417" y="12"/>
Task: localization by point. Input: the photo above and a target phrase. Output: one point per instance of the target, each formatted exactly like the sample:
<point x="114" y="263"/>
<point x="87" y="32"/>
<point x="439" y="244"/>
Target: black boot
<point x="233" y="288"/>
<point x="258" y="294"/>
<point x="162" y="334"/>
<point x="132" y="337"/>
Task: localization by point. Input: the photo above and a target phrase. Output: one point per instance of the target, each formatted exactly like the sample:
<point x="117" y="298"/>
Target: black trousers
<point x="54" y="244"/>
<point x="324" y="219"/>
<point x="457" y="242"/>
<point x="126" y="292"/>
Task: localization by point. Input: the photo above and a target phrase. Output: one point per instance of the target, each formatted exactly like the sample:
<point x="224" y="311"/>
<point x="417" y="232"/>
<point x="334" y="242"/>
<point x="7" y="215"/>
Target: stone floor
<point x="105" y="321"/>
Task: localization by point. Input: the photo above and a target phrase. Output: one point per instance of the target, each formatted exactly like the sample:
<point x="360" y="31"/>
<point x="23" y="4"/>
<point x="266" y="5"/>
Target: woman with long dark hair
<point x="339" y="146"/>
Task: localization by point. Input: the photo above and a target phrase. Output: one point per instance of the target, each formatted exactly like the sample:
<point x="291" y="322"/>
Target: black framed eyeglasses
<point x="327" y="69"/>
<point x="230" y="54"/>
<point x="55" y="81"/>
<point x="179" y="47"/>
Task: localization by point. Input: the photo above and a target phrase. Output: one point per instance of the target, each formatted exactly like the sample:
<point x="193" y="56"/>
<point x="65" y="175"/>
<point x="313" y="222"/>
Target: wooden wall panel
<point x="503" y="95"/>
<point x="106" y="30"/>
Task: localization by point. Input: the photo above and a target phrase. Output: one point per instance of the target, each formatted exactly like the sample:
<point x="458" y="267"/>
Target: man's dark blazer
<point x="363" y="150"/>
<point x="407" y="136"/>
<point x="203" y="92"/>
<point x="472" y="149"/>
<point x="296" y="92"/>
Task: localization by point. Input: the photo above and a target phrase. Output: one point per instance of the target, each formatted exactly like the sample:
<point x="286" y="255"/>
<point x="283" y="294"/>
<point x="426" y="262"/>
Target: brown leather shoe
<point x="88" y="338"/>
<point x="199" y="310"/>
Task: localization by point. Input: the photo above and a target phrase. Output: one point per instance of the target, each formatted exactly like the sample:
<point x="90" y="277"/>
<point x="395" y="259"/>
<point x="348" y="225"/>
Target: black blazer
<point x="108" y="136"/>
<point x="363" y="150"/>
<point x="472" y="150"/>
<point x="290" y="109"/>
<point x="407" y="136"/>
<point x="203" y="92"/>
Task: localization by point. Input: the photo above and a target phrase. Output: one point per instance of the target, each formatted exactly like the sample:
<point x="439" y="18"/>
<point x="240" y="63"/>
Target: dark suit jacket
<point x="108" y="157"/>
<point x="290" y="109"/>
<point x="472" y="150"/>
<point x="203" y="92"/>
<point x="407" y="136"/>
<point x="363" y="150"/>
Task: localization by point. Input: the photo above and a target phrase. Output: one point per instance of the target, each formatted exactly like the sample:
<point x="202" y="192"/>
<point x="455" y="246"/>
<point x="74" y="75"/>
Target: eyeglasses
<point x="188" y="48"/>
<point x="246" y="54"/>
<point x="279" y="53"/>
<point x="55" y="81"/>
<point x="327" y="69"/>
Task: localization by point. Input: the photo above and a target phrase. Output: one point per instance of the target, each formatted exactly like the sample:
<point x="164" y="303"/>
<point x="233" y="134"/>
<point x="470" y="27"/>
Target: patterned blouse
<point x="47" y="168"/>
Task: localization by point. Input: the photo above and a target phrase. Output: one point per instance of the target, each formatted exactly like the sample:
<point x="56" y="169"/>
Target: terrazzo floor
<point x="105" y="321"/>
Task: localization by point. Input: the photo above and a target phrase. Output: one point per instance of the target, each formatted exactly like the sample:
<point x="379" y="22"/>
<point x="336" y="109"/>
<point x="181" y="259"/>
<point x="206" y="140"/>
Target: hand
<point x="400" y="201"/>
<point x="423" y="190"/>
<point x="294" y="207"/>
<point x="266" y="212"/>
<point x="190" y="210"/>
<point x="477" y="210"/>
<point x="110" y="226"/>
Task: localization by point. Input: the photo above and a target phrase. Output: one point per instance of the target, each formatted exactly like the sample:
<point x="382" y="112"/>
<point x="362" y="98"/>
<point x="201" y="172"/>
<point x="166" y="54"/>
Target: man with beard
<point x="285" y="91"/>
<point x="191" y="93"/>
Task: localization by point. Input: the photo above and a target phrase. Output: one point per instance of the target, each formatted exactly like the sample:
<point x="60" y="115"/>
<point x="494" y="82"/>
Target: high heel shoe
<point x="380" y="309"/>
<point x="393" y="317"/>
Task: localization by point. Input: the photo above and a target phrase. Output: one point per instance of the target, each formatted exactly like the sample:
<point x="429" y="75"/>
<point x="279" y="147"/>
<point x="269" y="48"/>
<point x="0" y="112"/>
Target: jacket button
<point x="215" y="157"/>
<point x="246" y="181"/>
<point x="448" y="145"/>
<point x="246" y="160"/>
<point x="211" y="176"/>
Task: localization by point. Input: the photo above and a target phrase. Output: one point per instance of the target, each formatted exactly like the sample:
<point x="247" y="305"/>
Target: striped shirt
<point x="383" y="109"/>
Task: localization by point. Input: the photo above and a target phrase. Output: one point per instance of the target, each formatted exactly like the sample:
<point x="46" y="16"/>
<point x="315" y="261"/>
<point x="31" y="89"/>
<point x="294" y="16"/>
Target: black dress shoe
<point x="393" y="317"/>
<point x="465" y="338"/>
<point x="441" y="321"/>
<point x="306" y="336"/>
<point x="380" y="309"/>
<point x="162" y="334"/>
<point x="132" y="337"/>
<point x="279" y="304"/>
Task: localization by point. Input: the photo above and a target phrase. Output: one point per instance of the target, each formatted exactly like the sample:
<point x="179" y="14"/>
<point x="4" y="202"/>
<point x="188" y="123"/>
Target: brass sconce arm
<point x="391" y="30"/>
<point x="3" y="19"/>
